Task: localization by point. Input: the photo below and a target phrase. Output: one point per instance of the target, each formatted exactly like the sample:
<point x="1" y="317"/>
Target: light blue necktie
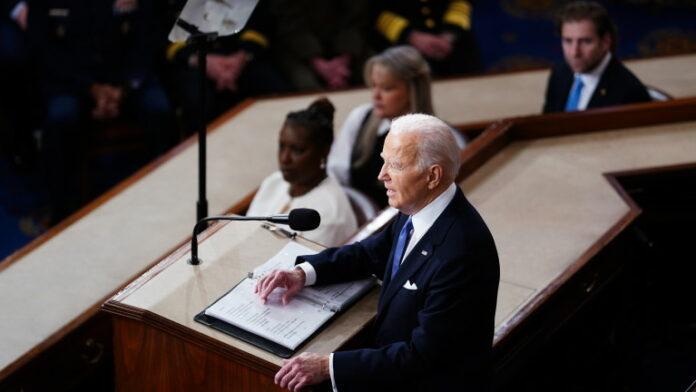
<point x="401" y="244"/>
<point x="574" y="97"/>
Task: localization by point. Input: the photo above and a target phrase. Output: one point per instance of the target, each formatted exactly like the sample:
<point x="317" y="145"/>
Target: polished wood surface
<point x="163" y="302"/>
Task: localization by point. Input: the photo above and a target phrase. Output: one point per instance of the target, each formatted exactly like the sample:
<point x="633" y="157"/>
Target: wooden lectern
<point x="158" y="345"/>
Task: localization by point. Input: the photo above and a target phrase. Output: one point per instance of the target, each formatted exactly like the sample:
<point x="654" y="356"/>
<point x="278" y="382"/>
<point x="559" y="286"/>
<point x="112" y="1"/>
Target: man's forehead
<point x="401" y="143"/>
<point x="584" y="27"/>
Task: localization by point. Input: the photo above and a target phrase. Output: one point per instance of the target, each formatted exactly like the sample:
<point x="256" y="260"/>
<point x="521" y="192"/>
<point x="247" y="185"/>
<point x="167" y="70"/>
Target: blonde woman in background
<point x="400" y="81"/>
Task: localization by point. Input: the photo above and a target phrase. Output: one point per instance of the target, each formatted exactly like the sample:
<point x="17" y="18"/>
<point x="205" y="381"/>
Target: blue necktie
<point x="574" y="97"/>
<point x="401" y="244"/>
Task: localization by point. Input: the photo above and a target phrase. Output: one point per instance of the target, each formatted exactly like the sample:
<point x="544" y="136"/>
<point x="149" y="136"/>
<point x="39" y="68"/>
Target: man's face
<point x="407" y="185"/>
<point x="583" y="49"/>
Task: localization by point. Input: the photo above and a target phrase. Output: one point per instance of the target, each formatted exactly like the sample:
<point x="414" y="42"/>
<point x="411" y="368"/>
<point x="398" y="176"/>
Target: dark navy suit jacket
<point x="439" y="336"/>
<point x="617" y="86"/>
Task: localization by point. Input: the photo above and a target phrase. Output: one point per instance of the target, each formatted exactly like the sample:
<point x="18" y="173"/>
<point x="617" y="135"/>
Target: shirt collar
<point x="424" y="219"/>
<point x="384" y="126"/>
<point x="591" y="78"/>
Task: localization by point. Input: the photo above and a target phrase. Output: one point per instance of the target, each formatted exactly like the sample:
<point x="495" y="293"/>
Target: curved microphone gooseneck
<point x="300" y="219"/>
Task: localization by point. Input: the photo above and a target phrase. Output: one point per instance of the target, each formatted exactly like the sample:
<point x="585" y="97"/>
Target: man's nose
<point x="382" y="176"/>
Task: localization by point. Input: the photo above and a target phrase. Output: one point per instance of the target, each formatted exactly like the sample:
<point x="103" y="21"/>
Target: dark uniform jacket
<point x="397" y="18"/>
<point x="80" y="42"/>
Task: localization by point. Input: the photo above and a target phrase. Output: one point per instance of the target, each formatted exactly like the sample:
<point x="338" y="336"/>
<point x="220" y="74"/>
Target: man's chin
<point x="578" y="68"/>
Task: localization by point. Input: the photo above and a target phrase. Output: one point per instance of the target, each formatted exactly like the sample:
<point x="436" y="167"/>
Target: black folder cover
<point x="260" y="341"/>
<point x="246" y="336"/>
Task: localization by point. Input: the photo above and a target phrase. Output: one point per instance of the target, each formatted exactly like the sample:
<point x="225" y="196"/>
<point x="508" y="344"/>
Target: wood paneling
<point x="147" y="359"/>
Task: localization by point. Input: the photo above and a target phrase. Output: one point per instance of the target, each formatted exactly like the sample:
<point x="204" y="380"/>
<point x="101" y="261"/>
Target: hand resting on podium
<point x="291" y="280"/>
<point x="304" y="369"/>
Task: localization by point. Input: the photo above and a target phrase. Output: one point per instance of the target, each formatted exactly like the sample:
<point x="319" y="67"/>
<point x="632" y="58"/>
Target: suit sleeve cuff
<point x="310" y="273"/>
<point x="331" y="373"/>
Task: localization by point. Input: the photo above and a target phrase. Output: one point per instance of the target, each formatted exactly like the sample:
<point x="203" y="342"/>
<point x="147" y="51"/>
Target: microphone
<point x="300" y="219"/>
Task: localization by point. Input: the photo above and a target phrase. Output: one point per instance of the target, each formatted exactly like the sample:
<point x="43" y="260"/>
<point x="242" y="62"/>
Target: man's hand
<point x="433" y="46"/>
<point x="216" y="70"/>
<point x="107" y="100"/>
<point x="334" y="72"/>
<point x="303" y="370"/>
<point x="293" y="281"/>
<point x="224" y="70"/>
<point x="235" y="65"/>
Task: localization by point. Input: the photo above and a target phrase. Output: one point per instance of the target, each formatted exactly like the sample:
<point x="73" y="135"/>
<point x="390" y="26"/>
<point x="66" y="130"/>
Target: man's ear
<point x="435" y="173"/>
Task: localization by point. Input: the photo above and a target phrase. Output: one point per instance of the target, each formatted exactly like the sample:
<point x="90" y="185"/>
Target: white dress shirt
<point x="590" y="81"/>
<point x="422" y="221"/>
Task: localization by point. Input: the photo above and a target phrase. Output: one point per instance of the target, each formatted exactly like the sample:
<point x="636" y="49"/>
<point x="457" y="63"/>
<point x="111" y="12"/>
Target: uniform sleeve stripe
<point x="254" y="36"/>
<point x="173" y="48"/>
<point x="391" y="25"/>
<point x="459" y="14"/>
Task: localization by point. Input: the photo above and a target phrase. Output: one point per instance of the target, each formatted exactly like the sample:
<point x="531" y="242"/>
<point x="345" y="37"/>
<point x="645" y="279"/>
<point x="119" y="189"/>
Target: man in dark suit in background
<point x="440" y="272"/>
<point x="591" y="76"/>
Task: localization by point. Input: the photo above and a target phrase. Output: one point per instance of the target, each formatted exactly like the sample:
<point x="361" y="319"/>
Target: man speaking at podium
<point x="440" y="273"/>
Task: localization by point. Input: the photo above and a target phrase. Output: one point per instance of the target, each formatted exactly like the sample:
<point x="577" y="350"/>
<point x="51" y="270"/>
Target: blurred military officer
<point x="98" y="61"/>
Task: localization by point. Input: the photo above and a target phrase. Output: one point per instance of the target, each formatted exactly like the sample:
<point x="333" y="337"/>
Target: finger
<point x="264" y="283"/>
<point x="304" y="381"/>
<point x="285" y="380"/>
<point x="259" y="284"/>
<point x="290" y="294"/>
<point x="281" y="373"/>
<point x="268" y="280"/>
<point x="268" y="289"/>
<point x="293" y="384"/>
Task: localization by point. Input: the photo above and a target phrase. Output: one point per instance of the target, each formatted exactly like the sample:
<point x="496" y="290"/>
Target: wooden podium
<point x="158" y="345"/>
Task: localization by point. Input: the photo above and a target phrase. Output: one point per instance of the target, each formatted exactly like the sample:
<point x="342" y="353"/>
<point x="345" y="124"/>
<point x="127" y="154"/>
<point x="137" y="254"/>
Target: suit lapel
<point x="599" y="96"/>
<point x="421" y="253"/>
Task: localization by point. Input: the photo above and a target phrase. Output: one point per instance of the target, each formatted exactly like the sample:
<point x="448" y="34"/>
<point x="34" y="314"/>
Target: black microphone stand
<point x="298" y="219"/>
<point x="201" y="225"/>
<point x="201" y="41"/>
